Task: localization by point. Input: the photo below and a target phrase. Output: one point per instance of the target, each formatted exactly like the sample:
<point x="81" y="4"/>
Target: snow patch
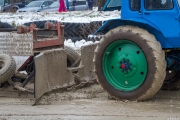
<point x="71" y="16"/>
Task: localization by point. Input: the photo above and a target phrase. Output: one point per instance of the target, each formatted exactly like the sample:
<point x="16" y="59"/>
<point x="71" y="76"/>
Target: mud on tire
<point x="7" y="67"/>
<point x="154" y="55"/>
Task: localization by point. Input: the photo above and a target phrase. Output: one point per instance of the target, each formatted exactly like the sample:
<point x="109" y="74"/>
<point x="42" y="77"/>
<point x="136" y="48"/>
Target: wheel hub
<point x="125" y="65"/>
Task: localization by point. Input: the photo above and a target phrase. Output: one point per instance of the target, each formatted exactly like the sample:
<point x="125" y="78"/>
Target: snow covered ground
<point x="73" y="16"/>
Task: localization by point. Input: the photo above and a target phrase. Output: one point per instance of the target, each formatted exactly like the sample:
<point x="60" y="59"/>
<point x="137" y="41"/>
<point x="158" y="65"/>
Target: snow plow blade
<point x="87" y="73"/>
<point x="48" y="63"/>
<point x="51" y="72"/>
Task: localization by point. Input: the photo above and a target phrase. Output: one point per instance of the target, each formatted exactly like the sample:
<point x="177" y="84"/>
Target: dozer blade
<point x="51" y="72"/>
<point x="87" y="54"/>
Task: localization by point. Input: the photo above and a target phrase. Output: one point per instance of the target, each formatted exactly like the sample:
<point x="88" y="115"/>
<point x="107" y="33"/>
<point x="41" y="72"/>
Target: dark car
<point x="13" y="7"/>
<point x="52" y="8"/>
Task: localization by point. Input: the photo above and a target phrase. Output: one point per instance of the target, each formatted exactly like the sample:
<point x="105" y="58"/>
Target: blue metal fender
<point x="142" y="23"/>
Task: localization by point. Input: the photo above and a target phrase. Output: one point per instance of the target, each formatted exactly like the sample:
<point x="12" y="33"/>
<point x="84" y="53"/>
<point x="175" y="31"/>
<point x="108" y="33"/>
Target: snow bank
<point x="73" y="16"/>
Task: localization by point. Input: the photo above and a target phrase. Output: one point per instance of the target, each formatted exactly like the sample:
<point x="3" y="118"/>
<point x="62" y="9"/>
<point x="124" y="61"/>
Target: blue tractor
<point x="139" y="52"/>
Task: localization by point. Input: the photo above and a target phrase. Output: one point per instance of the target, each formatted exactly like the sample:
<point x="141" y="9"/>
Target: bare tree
<point x="101" y="3"/>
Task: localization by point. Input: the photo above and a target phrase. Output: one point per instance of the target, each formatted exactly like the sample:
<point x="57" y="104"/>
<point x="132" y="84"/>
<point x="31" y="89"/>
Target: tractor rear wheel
<point x="130" y="63"/>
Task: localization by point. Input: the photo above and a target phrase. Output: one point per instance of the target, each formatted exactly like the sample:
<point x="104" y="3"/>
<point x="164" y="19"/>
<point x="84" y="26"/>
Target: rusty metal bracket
<point x="50" y="26"/>
<point x="25" y="29"/>
<point x="56" y="33"/>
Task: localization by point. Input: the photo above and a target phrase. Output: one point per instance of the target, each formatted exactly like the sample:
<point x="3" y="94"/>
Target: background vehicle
<point x="78" y="5"/>
<point x="12" y="6"/>
<point x="109" y="5"/>
<point x="73" y="5"/>
<point x="36" y="6"/>
<point x="52" y="8"/>
<point x="139" y="52"/>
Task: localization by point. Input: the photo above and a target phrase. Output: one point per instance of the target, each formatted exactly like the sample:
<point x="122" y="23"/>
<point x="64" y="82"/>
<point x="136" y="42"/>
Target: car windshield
<point x="55" y="4"/>
<point x="34" y="4"/>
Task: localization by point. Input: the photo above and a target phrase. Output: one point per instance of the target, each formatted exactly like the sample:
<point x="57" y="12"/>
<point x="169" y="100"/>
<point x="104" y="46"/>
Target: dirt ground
<point x="91" y="103"/>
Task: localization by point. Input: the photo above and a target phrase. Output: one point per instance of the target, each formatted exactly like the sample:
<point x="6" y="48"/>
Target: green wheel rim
<point x="124" y="65"/>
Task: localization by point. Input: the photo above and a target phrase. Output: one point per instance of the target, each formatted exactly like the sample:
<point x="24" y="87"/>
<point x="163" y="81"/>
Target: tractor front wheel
<point x="172" y="80"/>
<point x="130" y="63"/>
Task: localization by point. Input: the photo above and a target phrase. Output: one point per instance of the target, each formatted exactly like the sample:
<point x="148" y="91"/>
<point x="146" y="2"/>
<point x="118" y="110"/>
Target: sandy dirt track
<point x="91" y="103"/>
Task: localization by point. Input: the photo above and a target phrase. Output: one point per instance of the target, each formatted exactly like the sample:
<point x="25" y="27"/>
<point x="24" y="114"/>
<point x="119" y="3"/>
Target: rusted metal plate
<point x="51" y="72"/>
<point x="48" y="43"/>
<point x="49" y="33"/>
<point x="12" y="43"/>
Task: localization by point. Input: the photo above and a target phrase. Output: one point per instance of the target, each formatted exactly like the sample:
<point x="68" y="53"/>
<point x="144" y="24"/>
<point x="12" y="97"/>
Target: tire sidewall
<point x="111" y="37"/>
<point x="8" y="69"/>
<point x="7" y="62"/>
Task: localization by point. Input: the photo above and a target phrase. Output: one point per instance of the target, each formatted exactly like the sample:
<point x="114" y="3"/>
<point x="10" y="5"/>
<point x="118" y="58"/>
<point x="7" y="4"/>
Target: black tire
<point x="79" y="31"/>
<point x="7" y="67"/>
<point x="74" y="31"/>
<point x="73" y="57"/>
<point x="155" y="60"/>
<point x="14" y="9"/>
<point x="40" y="24"/>
<point x="5" y="25"/>
<point x="94" y="38"/>
<point x="172" y="80"/>
<point x="71" y="30"/>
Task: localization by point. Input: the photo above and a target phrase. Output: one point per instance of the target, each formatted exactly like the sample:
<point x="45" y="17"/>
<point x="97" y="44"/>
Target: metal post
<point x="28" y="78"/>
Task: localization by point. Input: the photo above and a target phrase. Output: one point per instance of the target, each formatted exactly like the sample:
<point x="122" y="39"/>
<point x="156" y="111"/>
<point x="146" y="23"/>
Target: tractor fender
<point x="142" y="23"/>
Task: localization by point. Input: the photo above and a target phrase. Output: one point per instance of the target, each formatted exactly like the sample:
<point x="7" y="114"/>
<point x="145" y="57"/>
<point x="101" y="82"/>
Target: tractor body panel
<point x="162" y="23"/>
<point x="111" y="24"/>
